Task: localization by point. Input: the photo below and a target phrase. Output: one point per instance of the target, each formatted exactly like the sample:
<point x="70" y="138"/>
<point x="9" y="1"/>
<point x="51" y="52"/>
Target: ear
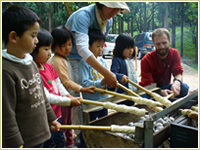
<point x="12" y="37"/>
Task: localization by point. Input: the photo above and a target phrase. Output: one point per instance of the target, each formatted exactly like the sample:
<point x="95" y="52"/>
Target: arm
<point x="177" y="71"/>
<point x="146" y="75"/>
<point x="10" y="130"/>
<point x="115" y="68"/>
<point x="62" y="90"/>
<point x="61" y="68"/>
<point x="57" y="100"/>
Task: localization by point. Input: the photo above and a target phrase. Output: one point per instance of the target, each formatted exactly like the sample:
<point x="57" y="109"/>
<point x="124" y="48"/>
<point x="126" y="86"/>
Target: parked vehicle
<point x="109" y="45"/>
<point x="144" y="43"/>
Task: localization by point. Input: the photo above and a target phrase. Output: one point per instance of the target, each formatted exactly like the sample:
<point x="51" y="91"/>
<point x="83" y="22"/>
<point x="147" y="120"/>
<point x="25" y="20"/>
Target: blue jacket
<point x="119" y="68"/>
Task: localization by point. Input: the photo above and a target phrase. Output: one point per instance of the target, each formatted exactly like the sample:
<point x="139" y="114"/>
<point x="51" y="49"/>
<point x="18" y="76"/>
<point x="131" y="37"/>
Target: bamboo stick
<point x="113" y="93"/>
<point x="113" y="128"/>
<point x="170" y="95"/>
<point x="84" y="127"/>
<point x="127" y="90"/>
<point x="91" y="102"/>
<point x="140" y="87"/>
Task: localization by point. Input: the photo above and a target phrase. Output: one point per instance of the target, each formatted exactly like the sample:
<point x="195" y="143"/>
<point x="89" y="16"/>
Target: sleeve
<point x="56" y="99"/>
<point x="146" y="75"/>
<point x="61" y="68"/>
<point x="61" y="88"/>
<point x="82" y="45"/>
<point x="115" y="68"/>
<point x="176" y="66"/>
<point x="84" y="76"/>
<point x="11" y="136"/>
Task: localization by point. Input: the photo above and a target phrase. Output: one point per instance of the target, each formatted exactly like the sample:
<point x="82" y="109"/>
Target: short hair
<point x="123" y="41"/>
<point x="95" y="35"/>
<point x="160" y="32"/>
<point x="45" y="39"/>
<point x="61" y="35"/>
<point x="19" y="19"/>
<point x="99" y="6"/>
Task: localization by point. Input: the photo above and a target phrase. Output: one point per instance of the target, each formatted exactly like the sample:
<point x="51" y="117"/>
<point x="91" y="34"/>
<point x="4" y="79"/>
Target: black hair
<point x="95" y="35"/>
<point x="99" y="6"/>
<point x="45" y="39"/>
<point x="17" y="18"/>
<point x="123" y="41"/>
<point x="61" y="35"/>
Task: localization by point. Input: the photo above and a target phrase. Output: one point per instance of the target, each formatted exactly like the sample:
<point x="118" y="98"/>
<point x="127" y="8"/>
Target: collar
<point x="27" y="60"/>
<point x="102" y="23"/>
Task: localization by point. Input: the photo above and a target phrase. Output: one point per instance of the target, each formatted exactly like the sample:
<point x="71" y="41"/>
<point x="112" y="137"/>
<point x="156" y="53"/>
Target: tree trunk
<point x="68" y="9"/>
<point x="132" y="26"/>
<point x="140" y="18"/>
<point x="174" y="26"/>
<point x="182" y="16"/>
<point x="145" y="17"/>
<point x="166" y="15"/>
<point x="153" y="17"/>
<point x="196" y="56"/>
<point x="49" y="20"/>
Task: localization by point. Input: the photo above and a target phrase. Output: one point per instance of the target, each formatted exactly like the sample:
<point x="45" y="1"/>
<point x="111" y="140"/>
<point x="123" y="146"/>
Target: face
<point x="128" y="52"/>
<point x="97" y="48"/>
<point x="27" y="42"/>
<point x="43" y="54"/>
<point x="161" y="44"/>
<point x="108" y="13"/>
<point x="65" y="49"/>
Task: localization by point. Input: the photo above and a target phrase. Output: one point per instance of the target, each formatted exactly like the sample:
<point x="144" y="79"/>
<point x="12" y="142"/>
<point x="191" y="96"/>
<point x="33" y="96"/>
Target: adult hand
<point x="176" y="88"/>
<point x="111" y="80"/>
<point x="55" y="126"/>
<point x="166" y="92"/>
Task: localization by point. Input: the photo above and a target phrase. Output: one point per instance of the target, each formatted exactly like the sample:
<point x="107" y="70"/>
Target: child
<point x="26" y="111"/>
<point x="62" y="45"/>
<point x="54" y="89"/>
<point x="122" y="62"/>
<point x="89" y="76"/>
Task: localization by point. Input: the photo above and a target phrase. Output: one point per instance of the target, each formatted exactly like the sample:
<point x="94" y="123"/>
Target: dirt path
<point x="190" y="76"/>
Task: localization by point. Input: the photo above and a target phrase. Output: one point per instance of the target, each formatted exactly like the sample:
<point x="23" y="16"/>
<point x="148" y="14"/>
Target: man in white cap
<point x="95" y="16"/>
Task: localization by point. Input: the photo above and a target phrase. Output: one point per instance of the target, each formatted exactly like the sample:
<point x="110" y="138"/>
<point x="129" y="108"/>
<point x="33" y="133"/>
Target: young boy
<point x="89" y="76"/>
<point x="26" y="111"/>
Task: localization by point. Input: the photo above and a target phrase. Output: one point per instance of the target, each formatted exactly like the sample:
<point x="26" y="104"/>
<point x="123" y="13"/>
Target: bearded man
<point x="159" y="65"/>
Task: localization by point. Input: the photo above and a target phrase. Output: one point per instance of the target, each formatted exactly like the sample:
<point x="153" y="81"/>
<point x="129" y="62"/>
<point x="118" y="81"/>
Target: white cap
<point x="120" y="5"/>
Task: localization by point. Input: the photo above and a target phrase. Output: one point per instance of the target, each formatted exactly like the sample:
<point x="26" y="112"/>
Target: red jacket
<point x="153" y="71"/>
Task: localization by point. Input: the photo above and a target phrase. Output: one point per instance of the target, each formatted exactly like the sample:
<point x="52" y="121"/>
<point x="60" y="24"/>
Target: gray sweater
<point x="25" y="108"/>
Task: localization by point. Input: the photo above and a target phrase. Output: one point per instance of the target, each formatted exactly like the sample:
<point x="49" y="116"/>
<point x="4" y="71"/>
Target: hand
<point x="75" y="101"/>
<point x="103" y="82"/>
<point x="111" y="80"/>
<point x="69" y="96"/>
<point x="176" y="88"/>
<point x="89" y="89"/>
<point x="166" y="92"/>
<point x="124" y="79"/>
<point x="55" y="125"/>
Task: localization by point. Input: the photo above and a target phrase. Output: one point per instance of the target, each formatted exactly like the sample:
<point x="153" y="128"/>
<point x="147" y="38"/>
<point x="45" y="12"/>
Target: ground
<point x="190" y="76"/>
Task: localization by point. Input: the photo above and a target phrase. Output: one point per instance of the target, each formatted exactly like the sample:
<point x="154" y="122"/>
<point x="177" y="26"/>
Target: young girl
<point x="122" y="62"/>
<point x="55" y="91"/>
<point x="62" y="45"/>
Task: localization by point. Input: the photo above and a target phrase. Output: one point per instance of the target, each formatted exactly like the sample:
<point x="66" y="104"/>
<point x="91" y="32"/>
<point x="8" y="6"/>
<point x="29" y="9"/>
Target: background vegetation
<point x="180" y="18"/>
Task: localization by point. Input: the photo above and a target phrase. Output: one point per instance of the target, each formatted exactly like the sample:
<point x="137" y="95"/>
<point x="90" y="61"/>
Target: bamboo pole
<point x="91" y="102"/>
<point x="113" y="93"/>
<point x="140" y="87"/>
<point x="127" y="90"/>
<point x="170" y="95"/>
<point x="84" y="127"/>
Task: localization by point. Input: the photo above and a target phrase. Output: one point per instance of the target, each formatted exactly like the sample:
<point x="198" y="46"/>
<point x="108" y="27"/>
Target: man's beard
<point x="162" y="54"/>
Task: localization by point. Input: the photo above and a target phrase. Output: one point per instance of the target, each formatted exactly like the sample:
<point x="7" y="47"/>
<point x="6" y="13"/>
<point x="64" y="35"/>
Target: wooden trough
<point x="144" y="136"/>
